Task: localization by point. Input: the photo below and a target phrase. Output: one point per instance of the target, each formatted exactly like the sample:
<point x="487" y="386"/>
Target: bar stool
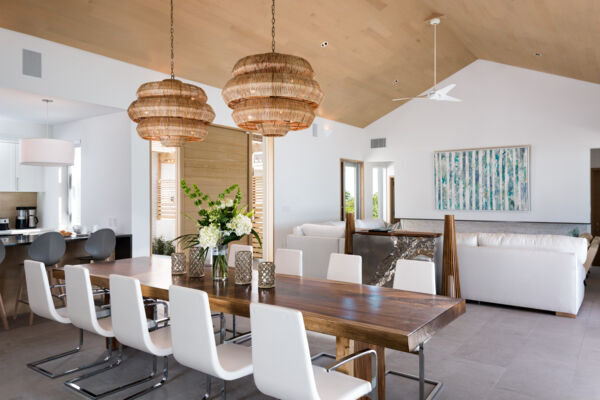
<point x="48" y="249"/>
<point x="288" y="261"/>
<point x="100" y="245"/>
<point x="131" y="329"/>
<point x="234" y="248"/>
<point x="343" y="268"/>
<point x="194" y="340"/>
<point x="40" y="302"/>
<point x="281" y="358"/>
<point x="2" y="309"/>
<point x="417" y="276"/>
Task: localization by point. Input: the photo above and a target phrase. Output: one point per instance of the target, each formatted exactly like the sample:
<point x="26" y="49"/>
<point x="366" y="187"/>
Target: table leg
<point x="3" y="313"/>
<point x="362" y="366"/>
<point x="421" y="372"/>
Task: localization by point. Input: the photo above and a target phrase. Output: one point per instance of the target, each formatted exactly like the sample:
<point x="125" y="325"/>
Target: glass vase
<point x="197" y="258"/>
<point x="243" y="267"/>
<point x="219" y="265"/>
<point x="177" y="263"/>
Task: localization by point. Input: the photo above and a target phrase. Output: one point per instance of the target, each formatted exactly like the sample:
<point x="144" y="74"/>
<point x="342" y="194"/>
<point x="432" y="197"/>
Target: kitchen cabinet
<point x="29" y="178"/>
<point x="15" y="177"/>
<point x="8" y="163"/>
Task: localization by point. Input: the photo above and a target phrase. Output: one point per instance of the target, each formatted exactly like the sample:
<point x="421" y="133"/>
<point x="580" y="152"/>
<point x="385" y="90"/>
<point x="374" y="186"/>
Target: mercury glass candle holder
<point x="243" y="267"/>
<point x="177" y="263"/>
<point x="197" y="260"/>
<point x="266" y="275"/>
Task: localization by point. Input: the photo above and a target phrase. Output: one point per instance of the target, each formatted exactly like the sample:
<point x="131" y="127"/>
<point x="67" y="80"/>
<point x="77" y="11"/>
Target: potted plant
<point x="219" y="222"/>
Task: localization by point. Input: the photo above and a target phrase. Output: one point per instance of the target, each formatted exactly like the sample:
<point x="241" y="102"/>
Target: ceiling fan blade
<point x="445" y="97"/>
<point x="410" y="98"/>
<point x="446" y="89"/>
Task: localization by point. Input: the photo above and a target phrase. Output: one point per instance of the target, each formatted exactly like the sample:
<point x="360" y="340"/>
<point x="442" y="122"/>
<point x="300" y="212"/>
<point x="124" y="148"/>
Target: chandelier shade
<point x="46" y="152"/>
<point x="272" y="93"/>
<point x="172" y="112"/>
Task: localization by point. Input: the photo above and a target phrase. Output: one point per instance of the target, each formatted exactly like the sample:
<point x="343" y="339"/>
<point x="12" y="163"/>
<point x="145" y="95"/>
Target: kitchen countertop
<point x="24" y="240"/>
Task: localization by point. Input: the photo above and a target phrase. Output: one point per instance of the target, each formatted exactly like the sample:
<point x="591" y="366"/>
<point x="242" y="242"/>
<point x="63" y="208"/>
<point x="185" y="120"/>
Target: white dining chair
<point x="345" y="268"/>
<point x="234" y="248"/>
<point x="83" y="314"/>
<point x="42" y="304"/>
<point x="288" y="261"/>
<point x="131" y="328"/>
<point x="415" y="276"/>
<point x="281" y="358"/>
<point x="194" y="340"/>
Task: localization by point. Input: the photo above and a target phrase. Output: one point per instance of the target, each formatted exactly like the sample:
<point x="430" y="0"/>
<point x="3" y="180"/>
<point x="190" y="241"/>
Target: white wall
<point x="502" y="105"/>
<point x="307" y="174"/>
<point x="105" y="171"/>
<point x="14" y="129"/>
<point x="74" y="74"/>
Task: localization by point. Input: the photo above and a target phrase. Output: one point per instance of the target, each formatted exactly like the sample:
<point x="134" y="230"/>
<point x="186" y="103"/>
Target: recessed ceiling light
<point x="324" y="44"/>
<point x="537" y="54"/>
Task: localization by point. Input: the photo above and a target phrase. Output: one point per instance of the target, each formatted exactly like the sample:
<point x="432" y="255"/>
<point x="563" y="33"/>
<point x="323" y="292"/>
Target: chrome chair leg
<point x="208" y="390"/>
<point x="36" y="365"/>
<point x="73" y="383"/>
<point x="158" y="384"/>
<point x="437" y="385"/>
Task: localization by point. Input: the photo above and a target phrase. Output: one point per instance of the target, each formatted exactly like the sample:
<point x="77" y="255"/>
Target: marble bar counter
<point x="380" y="250"/>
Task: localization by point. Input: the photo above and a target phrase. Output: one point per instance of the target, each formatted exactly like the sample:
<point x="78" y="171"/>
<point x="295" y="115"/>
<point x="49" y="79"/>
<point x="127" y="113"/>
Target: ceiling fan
<point x="435" y="93"/>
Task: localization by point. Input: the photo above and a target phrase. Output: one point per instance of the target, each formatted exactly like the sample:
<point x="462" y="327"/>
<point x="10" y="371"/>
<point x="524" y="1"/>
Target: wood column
<point x="350" y="229"/>
<point x="450" y="272"/>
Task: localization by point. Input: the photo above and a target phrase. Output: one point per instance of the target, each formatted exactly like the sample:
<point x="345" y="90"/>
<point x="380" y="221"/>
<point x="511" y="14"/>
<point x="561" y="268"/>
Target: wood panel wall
<point x="218" y="162"/>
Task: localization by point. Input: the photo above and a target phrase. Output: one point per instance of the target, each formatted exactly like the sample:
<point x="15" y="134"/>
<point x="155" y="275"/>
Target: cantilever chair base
<point x="36" y="365"/>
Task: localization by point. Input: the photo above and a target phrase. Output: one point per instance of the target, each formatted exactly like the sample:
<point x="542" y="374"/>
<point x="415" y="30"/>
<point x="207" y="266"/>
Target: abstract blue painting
<point x="488" y="179"/>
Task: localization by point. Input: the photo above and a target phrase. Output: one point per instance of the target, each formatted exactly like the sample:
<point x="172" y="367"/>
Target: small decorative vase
<point x="243" y="267"/>
<point x="197" y="260"/>
<point x="266" y="275"/>
<point x="177" y="263"/>
<point x="219" y="263"/>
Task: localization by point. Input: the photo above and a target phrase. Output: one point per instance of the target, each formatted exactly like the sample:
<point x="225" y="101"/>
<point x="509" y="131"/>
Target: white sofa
<point x="544" y="272"/>
<point x="318" y="241"/>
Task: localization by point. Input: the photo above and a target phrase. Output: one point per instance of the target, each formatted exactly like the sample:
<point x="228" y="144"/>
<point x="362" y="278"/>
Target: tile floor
<point x="491" y="352"/>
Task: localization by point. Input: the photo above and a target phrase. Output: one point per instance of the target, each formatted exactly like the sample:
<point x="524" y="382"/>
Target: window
<point x="351" y="188"/>
<point x="257" y="192"/>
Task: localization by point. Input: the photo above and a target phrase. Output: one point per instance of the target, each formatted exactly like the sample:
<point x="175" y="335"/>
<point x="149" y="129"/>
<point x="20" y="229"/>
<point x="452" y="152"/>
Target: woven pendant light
<point x="171" y="111"/>
<point x="272" y="93"/>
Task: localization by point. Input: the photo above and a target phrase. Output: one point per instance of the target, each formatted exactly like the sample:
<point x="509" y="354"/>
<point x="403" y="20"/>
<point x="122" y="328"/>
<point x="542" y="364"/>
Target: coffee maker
<point x="22" y="218"/>
<point x="32" y="219"/>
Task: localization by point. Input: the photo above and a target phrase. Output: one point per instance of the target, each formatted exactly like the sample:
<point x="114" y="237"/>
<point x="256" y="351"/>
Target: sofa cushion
<point x="466" y="239"/>
<point x="370" y="223"/>
<point x="323" y="230"/>
<point x="562" y="244"/>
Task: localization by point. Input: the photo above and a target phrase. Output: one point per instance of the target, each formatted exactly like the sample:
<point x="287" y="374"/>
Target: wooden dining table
<point x="359" y="316"/>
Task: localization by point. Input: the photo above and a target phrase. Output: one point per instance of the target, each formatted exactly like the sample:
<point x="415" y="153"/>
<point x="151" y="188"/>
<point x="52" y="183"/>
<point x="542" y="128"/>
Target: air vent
<point x="378" y="143"/>
<point x="32" y="63"/>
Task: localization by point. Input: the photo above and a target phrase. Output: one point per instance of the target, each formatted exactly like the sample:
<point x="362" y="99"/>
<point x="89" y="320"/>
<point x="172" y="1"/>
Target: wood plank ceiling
<point x="372" y="43"/>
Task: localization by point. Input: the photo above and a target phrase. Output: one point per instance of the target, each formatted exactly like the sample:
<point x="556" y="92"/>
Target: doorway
<point x="595" y="196"/>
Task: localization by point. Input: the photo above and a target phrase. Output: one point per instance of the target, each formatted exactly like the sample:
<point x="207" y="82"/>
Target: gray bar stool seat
<point x="48" y="248"/>
<point x="100" y="245"/>
<point x="2" y="309"/>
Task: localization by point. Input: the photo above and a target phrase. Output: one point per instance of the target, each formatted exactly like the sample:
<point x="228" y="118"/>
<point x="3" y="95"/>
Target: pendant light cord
<point x="47" y="101"/>
<point x="273" y="26"/>
<point x="172" y="46"/>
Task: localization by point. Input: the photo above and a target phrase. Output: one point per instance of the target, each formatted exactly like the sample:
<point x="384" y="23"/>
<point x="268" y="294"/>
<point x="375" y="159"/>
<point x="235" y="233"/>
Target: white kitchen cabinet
<point x="8" y="163"/>
<point x="15" y="177"/>
<point x="29" y="178"/>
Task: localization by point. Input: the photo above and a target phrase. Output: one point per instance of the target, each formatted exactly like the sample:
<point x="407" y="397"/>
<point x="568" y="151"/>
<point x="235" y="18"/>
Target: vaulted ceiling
<point x="372" y="43"/>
